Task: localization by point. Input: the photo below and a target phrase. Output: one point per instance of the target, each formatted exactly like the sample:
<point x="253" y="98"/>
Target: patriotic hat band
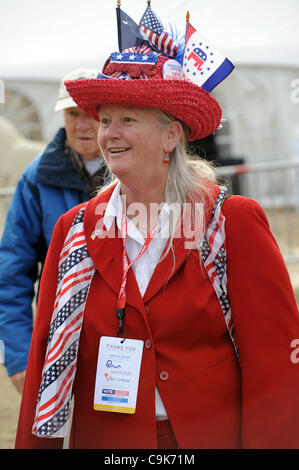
<point x="184" y="101"/>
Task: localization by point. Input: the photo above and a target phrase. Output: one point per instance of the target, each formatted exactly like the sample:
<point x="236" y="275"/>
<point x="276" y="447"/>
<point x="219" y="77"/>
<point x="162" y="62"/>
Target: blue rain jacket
<point x="48" y="188"/>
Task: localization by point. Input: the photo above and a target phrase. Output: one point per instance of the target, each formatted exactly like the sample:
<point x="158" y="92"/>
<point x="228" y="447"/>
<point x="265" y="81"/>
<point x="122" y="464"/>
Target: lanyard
<point x="121" y="301"/>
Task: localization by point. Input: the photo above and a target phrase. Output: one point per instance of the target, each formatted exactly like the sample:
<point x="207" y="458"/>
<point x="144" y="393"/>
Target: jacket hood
<point x="55" y="169"/>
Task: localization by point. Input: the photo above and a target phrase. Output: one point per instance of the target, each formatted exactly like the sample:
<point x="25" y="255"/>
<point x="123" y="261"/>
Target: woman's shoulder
<point x="244" y="215"/>
<point x="236" y="202"/>
<point x="231" y="205"/>
<point x="241" y="206"/>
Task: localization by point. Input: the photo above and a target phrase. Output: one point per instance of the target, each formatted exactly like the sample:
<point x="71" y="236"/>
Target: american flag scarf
<point x="213" y="254"/>
<point x="76" y="270"/>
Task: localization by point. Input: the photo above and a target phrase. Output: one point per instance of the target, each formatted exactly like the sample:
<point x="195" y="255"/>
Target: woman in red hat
<point x="166" y="311"/>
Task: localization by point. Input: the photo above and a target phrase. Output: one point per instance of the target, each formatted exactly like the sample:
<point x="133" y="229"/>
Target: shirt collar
<point x="113" y="207"/>
<point x="114" y="213"/>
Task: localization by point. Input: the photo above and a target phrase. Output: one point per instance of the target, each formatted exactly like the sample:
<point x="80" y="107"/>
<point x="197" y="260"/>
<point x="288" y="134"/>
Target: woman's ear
<point x="173" y="135"/>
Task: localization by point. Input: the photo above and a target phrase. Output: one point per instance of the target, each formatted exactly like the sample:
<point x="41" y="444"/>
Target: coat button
<point x="164" y="375"/>
<point x="148" y="344"/>
<point x="147" y="309"/>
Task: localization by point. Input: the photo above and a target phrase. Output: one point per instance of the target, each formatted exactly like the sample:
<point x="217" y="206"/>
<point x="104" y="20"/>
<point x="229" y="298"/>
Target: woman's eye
<point x="128" y="119"/>
<point x="104" y="122"/>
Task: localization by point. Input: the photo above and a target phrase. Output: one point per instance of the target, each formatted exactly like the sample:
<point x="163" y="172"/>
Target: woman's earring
<point x="166" y="158"/>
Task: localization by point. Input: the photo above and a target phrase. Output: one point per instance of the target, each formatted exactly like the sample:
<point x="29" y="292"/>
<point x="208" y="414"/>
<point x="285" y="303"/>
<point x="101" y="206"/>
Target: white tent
<point x="43" y="40"/>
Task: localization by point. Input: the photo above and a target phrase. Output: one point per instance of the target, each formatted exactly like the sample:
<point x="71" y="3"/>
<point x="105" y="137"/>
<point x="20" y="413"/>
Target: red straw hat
<point x="151" y="75"/>
<point x="182" y="99"/>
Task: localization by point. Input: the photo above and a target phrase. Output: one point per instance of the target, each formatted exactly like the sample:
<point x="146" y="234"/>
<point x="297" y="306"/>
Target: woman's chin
<point x="120" y="171"/>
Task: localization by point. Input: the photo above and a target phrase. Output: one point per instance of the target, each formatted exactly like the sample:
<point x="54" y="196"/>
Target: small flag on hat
<point x="203" y="64"/>
<point x="153" y="29"/>
<point x="129" y="34"/>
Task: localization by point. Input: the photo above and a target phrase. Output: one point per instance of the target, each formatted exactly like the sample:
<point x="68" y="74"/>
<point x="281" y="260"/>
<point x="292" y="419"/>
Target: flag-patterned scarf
<point x="76" y="270"/>
<point x="213" y="254"/>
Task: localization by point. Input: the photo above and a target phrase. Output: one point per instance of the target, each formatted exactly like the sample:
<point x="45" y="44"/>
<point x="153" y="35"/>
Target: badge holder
<point x="118" y="370"/>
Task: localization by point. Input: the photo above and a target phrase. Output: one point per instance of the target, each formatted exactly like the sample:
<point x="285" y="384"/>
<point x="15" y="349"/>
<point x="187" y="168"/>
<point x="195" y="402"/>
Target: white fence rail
<point x="257" y="167"/>
<point x="275" y="185"/>
<point x="5" y="192"/>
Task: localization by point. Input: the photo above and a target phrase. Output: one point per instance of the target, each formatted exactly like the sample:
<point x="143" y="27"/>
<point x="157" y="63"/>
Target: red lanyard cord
<point x="121" y="301"/>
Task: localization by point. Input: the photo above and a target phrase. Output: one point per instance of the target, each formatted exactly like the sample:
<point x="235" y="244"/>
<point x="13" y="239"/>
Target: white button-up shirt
<point x="144" y="266"/>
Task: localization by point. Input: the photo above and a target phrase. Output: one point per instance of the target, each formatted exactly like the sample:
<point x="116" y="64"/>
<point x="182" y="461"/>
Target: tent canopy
<point x="45" y="40"/>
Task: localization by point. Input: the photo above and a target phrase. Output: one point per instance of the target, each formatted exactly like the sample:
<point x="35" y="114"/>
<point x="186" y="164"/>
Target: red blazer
<point x="210" y="400"/>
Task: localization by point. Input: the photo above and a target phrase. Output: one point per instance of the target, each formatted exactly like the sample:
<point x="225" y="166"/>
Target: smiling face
<point x="133" y="142"/>
<point x="81" y="131"/>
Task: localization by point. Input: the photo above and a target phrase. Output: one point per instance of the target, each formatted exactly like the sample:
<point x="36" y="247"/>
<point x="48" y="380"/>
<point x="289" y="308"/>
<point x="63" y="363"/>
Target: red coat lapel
<point x="106" y="252"/>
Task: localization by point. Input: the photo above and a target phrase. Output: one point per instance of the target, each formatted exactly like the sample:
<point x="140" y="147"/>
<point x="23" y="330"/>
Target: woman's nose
<point x="113" y="131"/>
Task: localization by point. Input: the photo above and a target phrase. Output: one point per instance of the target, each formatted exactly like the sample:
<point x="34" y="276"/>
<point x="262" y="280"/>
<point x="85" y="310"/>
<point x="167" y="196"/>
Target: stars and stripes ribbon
<point x="134" y="58"/>
<point x="75" y="272"/>
<point x="132" y="62"/>
<point x="213" y="254"/>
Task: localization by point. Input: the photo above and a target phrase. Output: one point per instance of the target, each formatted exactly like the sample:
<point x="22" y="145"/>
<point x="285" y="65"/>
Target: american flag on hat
<point x="152" y="28"/>
<point x="149" y="32"/>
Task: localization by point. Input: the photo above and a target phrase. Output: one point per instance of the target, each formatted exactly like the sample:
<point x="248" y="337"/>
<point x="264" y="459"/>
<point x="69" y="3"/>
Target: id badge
<point x="117" y="376"/>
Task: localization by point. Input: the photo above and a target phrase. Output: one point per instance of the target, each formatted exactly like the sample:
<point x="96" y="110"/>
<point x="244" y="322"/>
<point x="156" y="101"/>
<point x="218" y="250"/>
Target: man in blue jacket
<point x="67" y="173"/>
